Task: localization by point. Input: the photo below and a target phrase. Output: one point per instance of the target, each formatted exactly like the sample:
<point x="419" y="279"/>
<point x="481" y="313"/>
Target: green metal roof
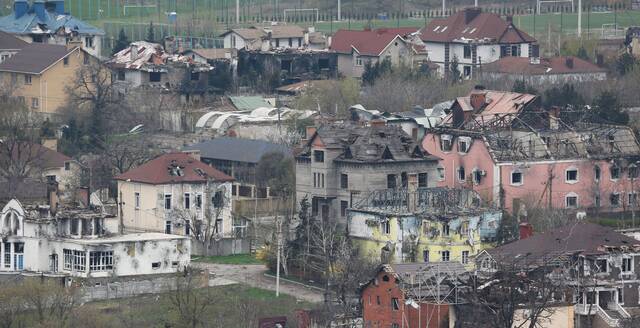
<point x="249" y="102"/>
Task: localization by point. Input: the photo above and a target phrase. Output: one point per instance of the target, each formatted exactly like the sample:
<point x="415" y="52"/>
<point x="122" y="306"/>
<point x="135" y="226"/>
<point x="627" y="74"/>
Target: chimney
<point x="20" y="7"/>
<point x="39" y="10"/>
<point x="478" y="98"/>
<point x="52" y="196"/>
<point x="526" y="230"/>
<point x="74" y="43"/>
<point x="554" y="117"/>
<point x="310" y="131"/>
<point x="470" y="14"/>
<point x="50" y="143"/>
<point x="569" y="62"/>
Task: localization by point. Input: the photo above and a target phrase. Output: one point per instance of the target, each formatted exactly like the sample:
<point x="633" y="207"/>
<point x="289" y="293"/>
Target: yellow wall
<point x="454" y="243"/>
<point x="50" y="87"/>
<point x="556" y="317"/>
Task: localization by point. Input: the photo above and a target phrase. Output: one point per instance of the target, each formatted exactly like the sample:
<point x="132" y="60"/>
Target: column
<point x="1" y="254"/>
<point x="86" y="262"/>
<point x="80" y="224"/>
<point x="12" y="257"/>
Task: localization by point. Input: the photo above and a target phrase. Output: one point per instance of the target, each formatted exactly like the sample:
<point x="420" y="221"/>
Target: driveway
<point x="253" y="275"/>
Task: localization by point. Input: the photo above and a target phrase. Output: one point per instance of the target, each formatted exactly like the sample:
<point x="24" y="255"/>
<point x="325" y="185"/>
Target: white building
<point x="45" y="237"/>
<point x="176" y="193"/>
<point x="265" y="38"/>
<point x="474" y="38"/>
<point x="543" y="71"/>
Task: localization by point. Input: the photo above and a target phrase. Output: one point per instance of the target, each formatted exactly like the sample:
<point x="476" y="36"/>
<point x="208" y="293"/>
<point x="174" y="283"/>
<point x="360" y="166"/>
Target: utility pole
<point x="579" y="18"/>
<point x="237" y="12"/>
<point x="278" y="242"/>
<point x="339" y="10"/>
<point x="444" y="7"/>
<point x="475" y="4"/>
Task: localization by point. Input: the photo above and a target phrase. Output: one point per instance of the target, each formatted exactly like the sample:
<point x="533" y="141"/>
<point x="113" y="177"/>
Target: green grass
<point x="238" y="259"/>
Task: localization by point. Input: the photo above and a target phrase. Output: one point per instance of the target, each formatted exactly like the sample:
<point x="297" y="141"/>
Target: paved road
<point x="253" y="275"/>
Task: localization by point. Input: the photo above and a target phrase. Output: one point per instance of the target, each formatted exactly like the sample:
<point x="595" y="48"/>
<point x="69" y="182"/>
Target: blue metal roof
<point x="51" y="20"/>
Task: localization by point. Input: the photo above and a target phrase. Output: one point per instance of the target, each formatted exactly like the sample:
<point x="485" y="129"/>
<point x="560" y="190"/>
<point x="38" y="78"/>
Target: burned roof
<point x="473" y="25"/>
<point x="370" y="144"/>
<point x="27" y="191"/>
<point x="35" y="58"/>
<point x="580" y="238"/>
<point x="173" y="168"/>
<point x="147" y="56"/>
<point x="543" y="66"/>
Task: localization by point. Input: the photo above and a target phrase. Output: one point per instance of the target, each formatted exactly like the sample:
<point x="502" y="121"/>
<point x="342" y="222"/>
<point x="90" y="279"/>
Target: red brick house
<point x="404" y="295"/>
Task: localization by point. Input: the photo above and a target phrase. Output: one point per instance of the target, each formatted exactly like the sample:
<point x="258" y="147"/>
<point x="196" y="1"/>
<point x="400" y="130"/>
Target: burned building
<point x="340" y="164"/>
<point x="284" y="66"/>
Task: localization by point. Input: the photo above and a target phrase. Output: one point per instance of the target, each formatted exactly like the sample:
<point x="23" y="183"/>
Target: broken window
<point x="516" y="178"/>
<point x="101" y="260"/>
<point x="386" y="227"/>
<point x="467" y="51"/>
<point x="217" y="200"/>
<point x="632" y="173"/>
<point x="87" y="229"/>
<point x="571" y="176"/>
<point x="464" y="228"/>
<point x="395" y="305"/>
<point x="461" y="174"/>
<point x="463" y="144"/>
<point x="155" y="76"/>
<point x="167" y="202"/>
<point x="445" y="229"/>
<point x="75" y="223"/>
<point x="445" y="142"/>
<point x="285" y="65"/>
<point x="445" y="256"/>
<point x="323" y="63"/>
<point x="391" y="181"/>
<point x="633" y="199"/>
<point x="441" y="173"/>
<point x="425" y="256"/>
<point x="67" y="259"/>
<point x="343" y="207"/>
<point x="198" y="201"/>
<point x="121" y="75"/>
<point x="422" y="180"/>
<point x="614" y="199"/>
<point x="596" y="173"/>
<point x="615" y="172"/>
<point x="571" y="201"/>
<point x="602" y="265"/>
<point x="404" y="179"/>
<point x="466" y="71"/>
<point x="155" y="265"/>
<point x="318" y="156"/>
<point x="627" y="265"/>
<point x="465" y="257"/>
<point x="195" y="76"/>
<point x="344" y="181"/>
<point x="97" y="226"/>
<point x="477" y="176"/>
<point x="79" y="260"/>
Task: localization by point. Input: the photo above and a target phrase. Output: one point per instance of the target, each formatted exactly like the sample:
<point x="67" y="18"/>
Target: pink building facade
<point x="594" y="185"/>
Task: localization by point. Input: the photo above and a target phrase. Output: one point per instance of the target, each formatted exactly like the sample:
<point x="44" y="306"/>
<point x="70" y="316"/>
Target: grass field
<point x="229" y="259"/>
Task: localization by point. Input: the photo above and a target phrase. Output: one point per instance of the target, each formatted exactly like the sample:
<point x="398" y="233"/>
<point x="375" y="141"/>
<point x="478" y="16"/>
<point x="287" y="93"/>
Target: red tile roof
<point x="38" y="155"/>
<point x="158" y="171"/>
<point x="367" y="42"/>
<point x="473" y="24"/>
<point x="554" y="65"/>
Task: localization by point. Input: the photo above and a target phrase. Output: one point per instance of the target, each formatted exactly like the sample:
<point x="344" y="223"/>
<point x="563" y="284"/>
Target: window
<point x="88" y="41"/>
<point x="217" y="200"/>
<point x="477" y="176"/>
<point x="620" y="296"/>
<point x="79" y="260"/>
<point x="395" y="325"/>
<point x="464" y="228"/>
<point x="515" y="51"/>
<point x="290" y="42"/>
<point x="35" y="102"/>
<point x="343" y="207"/>
<point x="466" y="71"/>
<point x="67" y="259"/>
<point x="75" y="223"/>
<point x="504" y="51"/>
<point x="467" y="52"/>
<point x="167" y="227"/>
<point x="516" y="178"/>
<point x="198" y="201"/>
<point x="445" y="142"/>
<point x="394" y="304"/>
<point x="596" y="200"/>
<point x="358" y="61"/>
<point x="65" y="61"/>
<point x="425" y="256"/>
<point x="422" y="180"/>
<point x="27" y="79"/>
<point x="461" y="174"/>
<point x="596" y="173"/>
<point x="101" y="261"/>
<point x="137" y="200"/>
<point x="318" y="156"/>
<point x="463" y="145"/>
<point x="632" y="172"/>
<point x="174" y="264"/>
<point x="378" y="299"/>
<point x="627" y="265"/>
<point x="571" y="176"/>
<point x="441" y="173"/>
<point x="465" y="257"/>
<point x="187" y="227"/>
<point x="614" y="199"/>
<point x="386" y="227"/>
<point x="167" y="202"/>
<point x="187" y="200"/>
<point x="51" y="178"/>
<point x="155" y="265"/>
<point x="633" y="199"/>
<point x="195" y="76"/>
<point x="121" y="75"/>
<point x="615" y="172"/>
<point x="445" y="229"/>
<point x="277" y="43"/>
<point x="391" y="181"/>
<point x="445" y="256"/>
<point x="571" y="201"/>
<point x="67" y="166"/>
<point x="602" y="265"/>
<point x="233" y="41"/>
<point x="155" y="76"/>
<point x="85" y="59"/>
<point x="344" y="181"/>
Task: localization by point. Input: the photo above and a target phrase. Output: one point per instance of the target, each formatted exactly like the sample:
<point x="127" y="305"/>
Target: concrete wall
<point x="547" y="78"/>
<point x="224" y="246"/>
<point x="554" y="317"/>
<point x="486" y="53"/>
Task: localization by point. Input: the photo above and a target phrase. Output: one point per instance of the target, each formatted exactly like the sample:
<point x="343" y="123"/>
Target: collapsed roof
<point x="151" y="57"/>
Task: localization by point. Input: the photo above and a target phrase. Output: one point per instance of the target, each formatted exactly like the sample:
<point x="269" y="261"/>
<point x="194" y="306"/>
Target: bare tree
<point x="189" y="301"/>
<point x="11" y="305"/>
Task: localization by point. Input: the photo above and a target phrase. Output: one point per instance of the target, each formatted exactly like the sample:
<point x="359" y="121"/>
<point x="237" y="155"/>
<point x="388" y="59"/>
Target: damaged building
<point x="145" y="65"/>
<point x="340" y="164"/>
<point x="518" y="155"/>
<point x="42" y="235"/>
<point x="417" y="224"/>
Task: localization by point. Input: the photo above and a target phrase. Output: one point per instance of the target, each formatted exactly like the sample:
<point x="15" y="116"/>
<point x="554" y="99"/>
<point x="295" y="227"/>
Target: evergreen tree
<point x="122" y="42"/>
<point x="582" y="53"/>
<point x="608" y="107"/>
<point x="454" y="70"/>
<point x="151" y="35"/>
